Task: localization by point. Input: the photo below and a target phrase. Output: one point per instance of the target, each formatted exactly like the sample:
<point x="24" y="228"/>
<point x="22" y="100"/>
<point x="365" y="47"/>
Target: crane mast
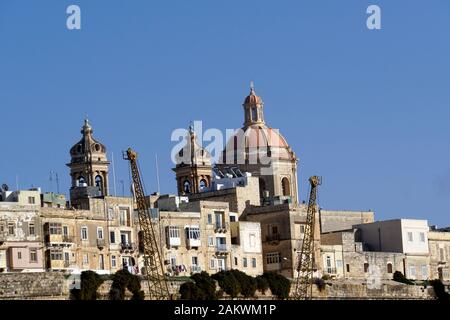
<point x="305" y="259"/>
<point x="153" y="267"/>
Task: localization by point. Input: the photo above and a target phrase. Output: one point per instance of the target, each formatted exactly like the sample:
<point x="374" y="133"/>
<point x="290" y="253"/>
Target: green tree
<point x="89" y="283"/>
<point x="439" y="290"/>
<point x="123" y="280"/>
<point x="278" y="284"/>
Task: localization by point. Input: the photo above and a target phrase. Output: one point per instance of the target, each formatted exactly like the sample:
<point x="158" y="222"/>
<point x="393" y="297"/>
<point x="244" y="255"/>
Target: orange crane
<point x="153" y="267"/>
<point x="305" y="270"/>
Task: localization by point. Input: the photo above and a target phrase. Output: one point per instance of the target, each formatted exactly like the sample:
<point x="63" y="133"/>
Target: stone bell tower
<point x="193" y="166"/>
<point x="88" y="165"/>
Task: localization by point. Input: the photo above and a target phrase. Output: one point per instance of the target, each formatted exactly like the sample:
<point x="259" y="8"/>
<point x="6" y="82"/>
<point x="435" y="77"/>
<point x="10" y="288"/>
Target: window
<point x="232" y="219"/>
<point x="254" y="114"/>
<point x="19" y="255"/>
<point x="412" y="271"/>
<point x="100" y="233"/>
<point x="302" y="231"/>
<point x="410" y="236"/>
<point x="65" y="230"/>
<point x="174" y="232"/>
<point x="366" y="267"/>
<point x="219" y="219"/>
<point x="193" y="233"/>
<point x="210" y="241"/>
<point x="422" y="237"/>
<point x="112" y="237"/>
<point x="11" y="229"/>
<point x="85" y="258"/>
<point x="212" y="263"/>
<point x="285" y="187"/>
<point x="66" y="256"/>
<point x="31" y="200"/>
<point x="194" y="261"/>
<point x="347" y="267"/>
<point x="84" y="233"/>
<point x="124" y="217"/>
<point x="202" y="183"/>
<point x="56" y="255"/>
<point x="54" y="228"/>
<point x="244" y="262"/>
<point x="113" y="261"/>
<point x="273" y="257"/>
<point x="33" y="255"/>
<point x="389" y="268"/>
<point x="101" y="262"/>
<point x="424" y="272"/>
<point x="187" y="186"/>
<point x="235" y="261"/>
<point x="441" y="254"/>
<point x="31" y="230"/>
<point x="210" y="218"/>
<point x="254" y="262"/>
<point x="252" y="240"/>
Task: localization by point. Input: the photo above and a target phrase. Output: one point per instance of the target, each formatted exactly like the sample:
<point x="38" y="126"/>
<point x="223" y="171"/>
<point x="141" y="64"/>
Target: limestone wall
<point x="37" y="286"/>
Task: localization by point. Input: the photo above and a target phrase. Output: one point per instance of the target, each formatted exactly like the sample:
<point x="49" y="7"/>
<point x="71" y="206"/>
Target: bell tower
<point x="193" y="166"/>
<point x="89" y="165"/>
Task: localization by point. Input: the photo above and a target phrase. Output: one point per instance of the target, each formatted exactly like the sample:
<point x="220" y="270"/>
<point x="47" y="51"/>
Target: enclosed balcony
<point x="127" y="247"/>
<point x="193" y="236"/>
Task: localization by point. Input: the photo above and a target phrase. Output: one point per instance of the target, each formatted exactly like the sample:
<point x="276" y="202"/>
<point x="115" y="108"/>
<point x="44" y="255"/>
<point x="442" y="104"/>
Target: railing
<point x="128" y="246"/>
<point x="100" y="243"/>
<point x="221" y="247"/>
<point x="328" y="270"/>
<point x="196" y="269"/>
<point x="273" y="237"/>
<point x="221" y="227"/>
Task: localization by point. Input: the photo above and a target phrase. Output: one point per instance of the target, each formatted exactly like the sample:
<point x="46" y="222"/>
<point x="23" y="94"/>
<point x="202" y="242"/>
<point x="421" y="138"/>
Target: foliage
<point x="228" y="282"/>
<point x="278" y="284"/>
<point x="399" y="277"/>
<point x="201" y="287"/>
<point x="326" y="277"/>
<point x="123" y="280"/>
<point x="439" y="290"/>
<point x="262" y="284"/>
<point x="247" y="283"/>
<point x="320" y="283"/>
<point x="89" y="283"/>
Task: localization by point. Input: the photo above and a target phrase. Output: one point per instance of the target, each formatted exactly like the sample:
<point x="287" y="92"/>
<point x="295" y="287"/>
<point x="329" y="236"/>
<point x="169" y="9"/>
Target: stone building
<point x="439" y="246"/>
<point x="246" y="247"/>
<point x="406" y="236"/>
<point x="337" y="220"/>
<point x="20" y="231"/>
<point x="343" y="256"/>
<point x="262" y="151"/>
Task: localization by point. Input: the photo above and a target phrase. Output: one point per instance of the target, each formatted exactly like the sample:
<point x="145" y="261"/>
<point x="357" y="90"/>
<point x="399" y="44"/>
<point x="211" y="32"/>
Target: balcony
<point x="193" y="243"/>
<point x="330" y="271"/>
<point x="221" y="227"/>
<point x="221" y="249"/>
<point x="127" y="247"/>
<point x="174" y="241"/>
<point x="196" y="269"/>
<point x="58" y="240"/>
<point x="101" y="243"/>
<point x="273" y="238"/>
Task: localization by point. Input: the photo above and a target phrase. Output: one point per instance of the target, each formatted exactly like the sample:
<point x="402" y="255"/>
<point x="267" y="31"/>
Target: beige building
<point x="337" y="220"/>
<point x="439" y="246"/>
<point x="246" y="247"/>
<point x="20" y="231"/>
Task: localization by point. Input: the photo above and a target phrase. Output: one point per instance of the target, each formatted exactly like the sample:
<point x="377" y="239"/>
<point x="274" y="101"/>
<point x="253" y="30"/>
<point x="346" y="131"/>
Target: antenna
<point x="123" y="188"/>
<point x="51" y="180"/>
<point x="114" y="174"/>
<point x="157" y="171"/>
<point x="57" y="182"/>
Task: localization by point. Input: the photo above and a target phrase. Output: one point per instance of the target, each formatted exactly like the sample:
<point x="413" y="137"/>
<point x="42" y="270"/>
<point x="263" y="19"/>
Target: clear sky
<point x="368" y="110"/>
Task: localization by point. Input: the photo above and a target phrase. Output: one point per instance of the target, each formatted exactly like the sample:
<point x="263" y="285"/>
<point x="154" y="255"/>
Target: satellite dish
<point x="5" y="187"/>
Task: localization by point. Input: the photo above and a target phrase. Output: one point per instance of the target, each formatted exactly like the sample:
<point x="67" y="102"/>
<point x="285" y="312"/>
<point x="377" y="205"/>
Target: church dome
<point x="87" y="144"/>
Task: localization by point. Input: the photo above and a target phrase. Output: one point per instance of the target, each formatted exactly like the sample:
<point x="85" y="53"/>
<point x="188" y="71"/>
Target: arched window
<point x="389" y="267"/>
<point x="262" y="187"/>
<point x="99" y="183"/>
<point x="187" y="186"/>
<point x="203" y="184"/>
<point x="254" y="114"/>
<point x="81" y="182"/>
<point x="366" y="267"/>
<point x="285" y="187"/>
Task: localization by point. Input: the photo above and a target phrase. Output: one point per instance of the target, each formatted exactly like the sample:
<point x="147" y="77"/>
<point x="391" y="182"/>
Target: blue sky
<point x="367" y="110"/>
